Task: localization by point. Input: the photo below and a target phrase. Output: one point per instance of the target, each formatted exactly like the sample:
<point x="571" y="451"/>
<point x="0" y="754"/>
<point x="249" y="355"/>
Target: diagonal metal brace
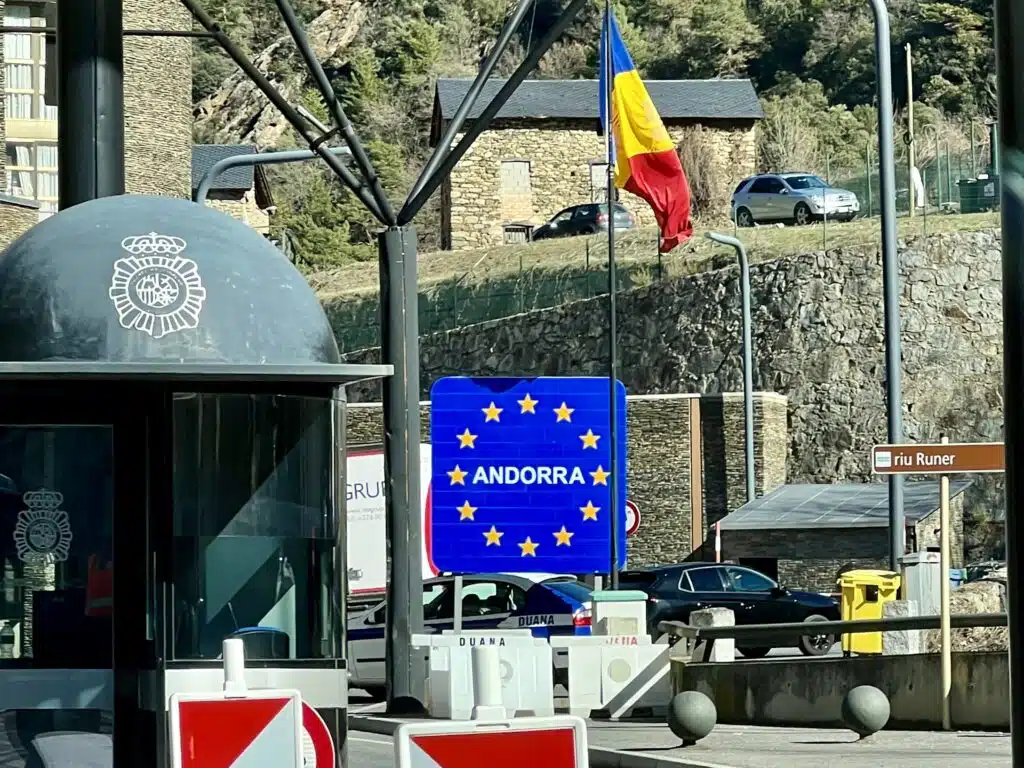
<point x="480" y="124"/>
<point x="287" y="110"/>
<point x="459" y="118"/>
<point x="323" y="84"/>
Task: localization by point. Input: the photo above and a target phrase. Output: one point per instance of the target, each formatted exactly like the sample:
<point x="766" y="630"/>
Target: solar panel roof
<point x="836" y="506"/>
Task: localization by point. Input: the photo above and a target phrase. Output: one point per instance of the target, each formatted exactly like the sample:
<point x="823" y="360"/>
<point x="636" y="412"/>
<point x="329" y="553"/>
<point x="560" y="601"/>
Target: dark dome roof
<point x="155" y="279"/>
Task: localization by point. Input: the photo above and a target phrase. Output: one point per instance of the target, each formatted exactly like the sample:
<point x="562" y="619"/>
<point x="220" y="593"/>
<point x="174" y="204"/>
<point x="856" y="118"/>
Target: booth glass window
<point x="256" y="528"/>
<point x="56" y="516"/>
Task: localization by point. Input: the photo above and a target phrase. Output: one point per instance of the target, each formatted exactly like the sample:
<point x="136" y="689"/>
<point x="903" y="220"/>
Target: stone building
<point x="543" y="152"/>
<point x="157" y="99"/>
<point x="243" y="193"/>
<point x="801" y="535"/>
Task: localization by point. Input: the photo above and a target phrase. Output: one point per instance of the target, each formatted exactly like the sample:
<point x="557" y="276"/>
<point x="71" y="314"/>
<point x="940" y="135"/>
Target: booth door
<point x="71" y="485"/>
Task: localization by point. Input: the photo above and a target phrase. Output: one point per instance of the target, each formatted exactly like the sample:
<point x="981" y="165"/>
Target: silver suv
<point x="797" y="197"/>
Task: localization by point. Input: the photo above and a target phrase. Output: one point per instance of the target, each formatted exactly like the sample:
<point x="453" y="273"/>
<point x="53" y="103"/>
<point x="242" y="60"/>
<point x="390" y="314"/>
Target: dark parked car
<point x="586" y="219"/>
<point x="674" y="591"/>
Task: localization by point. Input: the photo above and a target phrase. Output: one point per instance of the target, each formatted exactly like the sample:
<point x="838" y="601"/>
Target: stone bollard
<point x="903" y="641"/>
<point x="722" y="650"/>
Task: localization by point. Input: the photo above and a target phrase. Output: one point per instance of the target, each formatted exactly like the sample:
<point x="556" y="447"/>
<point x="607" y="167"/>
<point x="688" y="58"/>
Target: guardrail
<point x="704" y="637"/>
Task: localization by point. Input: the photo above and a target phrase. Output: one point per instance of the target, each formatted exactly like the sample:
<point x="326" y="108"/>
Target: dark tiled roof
<point x="864" y="505"/>
<point x="578" y="99"/>
<point x="205" y="155"/>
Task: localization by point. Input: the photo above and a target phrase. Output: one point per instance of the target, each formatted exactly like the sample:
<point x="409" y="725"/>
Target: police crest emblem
<point x="156" y="290"/>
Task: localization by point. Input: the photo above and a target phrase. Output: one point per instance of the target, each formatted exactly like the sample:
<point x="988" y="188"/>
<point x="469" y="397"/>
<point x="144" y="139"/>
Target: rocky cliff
<point x="817" y="331"/>
<point x="239" y="113"/>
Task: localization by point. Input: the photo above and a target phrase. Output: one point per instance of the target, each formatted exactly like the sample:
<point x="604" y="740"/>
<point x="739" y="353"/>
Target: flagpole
<point x="612" y="320"/>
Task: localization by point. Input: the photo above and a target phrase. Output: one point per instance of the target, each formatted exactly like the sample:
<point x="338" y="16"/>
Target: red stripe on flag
<point x="658" y="178"/>
<point x="551" y="748"/>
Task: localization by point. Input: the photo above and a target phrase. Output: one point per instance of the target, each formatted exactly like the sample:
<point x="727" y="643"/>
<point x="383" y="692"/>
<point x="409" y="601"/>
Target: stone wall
<point x="17" y="216"/>
<point x="3" y="121"/>
<point x="560" y="154"/>
<point x="661" y="472"/>
<point x="245" y="209"/>
<point x="817" y="332"/>
<point x="158" y="101"/>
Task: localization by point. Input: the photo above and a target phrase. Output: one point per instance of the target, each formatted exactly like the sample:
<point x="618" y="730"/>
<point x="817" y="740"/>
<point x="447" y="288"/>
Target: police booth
<point x="171" y="450"/>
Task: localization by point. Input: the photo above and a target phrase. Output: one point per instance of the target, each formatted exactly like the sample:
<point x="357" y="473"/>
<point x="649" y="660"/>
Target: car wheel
<point x="816" y="645"/>
<point x="801" y="214"/>
<point x="744" y="218"/>
<point x="377" y="693"/>
<point x="754" y="653"/>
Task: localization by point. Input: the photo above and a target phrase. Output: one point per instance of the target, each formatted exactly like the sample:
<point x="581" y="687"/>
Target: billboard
<point x="367" y="540"/>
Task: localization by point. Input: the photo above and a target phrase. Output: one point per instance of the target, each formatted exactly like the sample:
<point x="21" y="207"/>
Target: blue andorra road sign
<point x="522" y="475"/>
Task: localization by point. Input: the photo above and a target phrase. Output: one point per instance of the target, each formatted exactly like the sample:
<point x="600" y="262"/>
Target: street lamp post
<point x="748" y="357"/>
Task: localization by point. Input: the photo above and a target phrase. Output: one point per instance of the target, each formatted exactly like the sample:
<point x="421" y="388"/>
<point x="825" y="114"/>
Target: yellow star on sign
<point x="457" y="476"/>
<point x="493" y="537"/>
<point x="529" y="548"/>
<point x="564" y="412"/>
<point x="590" y="439"/>
<point x="466" y="440"/>
<point x="562" y="537"/>
<point x="466" y="511"/>
<point x="527" y="403"/>
<point x="492" y="411"/>
<point x="600" y="476"/>
<point x="590" y="511"/>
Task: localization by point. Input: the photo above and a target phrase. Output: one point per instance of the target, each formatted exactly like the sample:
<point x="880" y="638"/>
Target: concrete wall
<point x="675" y="494"/>
<point x="809" y="693"/>
<point x="158" y="101"/>
<point x="560" y="154"/>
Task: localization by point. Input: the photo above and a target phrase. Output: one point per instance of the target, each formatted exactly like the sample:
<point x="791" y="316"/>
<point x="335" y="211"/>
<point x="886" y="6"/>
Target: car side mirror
<point x="779" y="591"/>
<point x="785" y="191"/>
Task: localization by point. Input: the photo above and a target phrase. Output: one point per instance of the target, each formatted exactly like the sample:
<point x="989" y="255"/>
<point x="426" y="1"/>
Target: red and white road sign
<point x="632" y="518"/>
<point x="261" y="728"/>
<point x="560" y="740"/>
<point x="317" y="744"/>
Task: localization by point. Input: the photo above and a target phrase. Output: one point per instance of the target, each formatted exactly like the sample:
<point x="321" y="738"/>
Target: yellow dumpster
<point x="863" y="593"/>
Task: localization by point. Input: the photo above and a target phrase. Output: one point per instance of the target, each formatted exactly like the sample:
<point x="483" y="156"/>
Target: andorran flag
<point x="645" y="158"/>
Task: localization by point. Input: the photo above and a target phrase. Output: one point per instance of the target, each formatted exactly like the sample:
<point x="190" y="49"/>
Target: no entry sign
<point x="632" y="518"/>
<point x="554" y="742"/>
<point x="261" y="728"/>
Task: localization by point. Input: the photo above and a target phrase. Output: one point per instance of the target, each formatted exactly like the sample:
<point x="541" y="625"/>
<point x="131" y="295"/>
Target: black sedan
<point x="588" y="219"/>
<point x="675" y="591"/>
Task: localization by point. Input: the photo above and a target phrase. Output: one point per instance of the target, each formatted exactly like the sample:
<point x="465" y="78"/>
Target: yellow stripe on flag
<point x="638" y="127"/>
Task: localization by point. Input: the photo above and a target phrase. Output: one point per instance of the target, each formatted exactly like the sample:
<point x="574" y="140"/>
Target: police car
<point x="546" y="604"/>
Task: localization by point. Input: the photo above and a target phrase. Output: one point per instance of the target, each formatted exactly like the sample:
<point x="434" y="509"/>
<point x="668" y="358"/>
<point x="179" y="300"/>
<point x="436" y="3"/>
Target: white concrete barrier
<point x="615" y="673"/>
<point x="527" y="684"/>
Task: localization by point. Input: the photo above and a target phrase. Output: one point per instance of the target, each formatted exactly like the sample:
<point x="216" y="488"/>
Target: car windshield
<point x="806" y="182"/>
<point x="574" y="590"/>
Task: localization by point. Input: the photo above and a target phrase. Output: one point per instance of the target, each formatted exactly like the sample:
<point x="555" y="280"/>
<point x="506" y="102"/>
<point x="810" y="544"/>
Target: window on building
<point x="20" y="169"/>
<point x="598" y="182"/>
<point x="25" y="59"/>
<point x="515" y="177"/>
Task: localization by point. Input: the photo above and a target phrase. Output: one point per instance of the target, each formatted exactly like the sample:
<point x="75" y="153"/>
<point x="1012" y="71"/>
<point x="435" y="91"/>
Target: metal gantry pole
<point x="748" y="359"/>
<point x="406" y="673"/>
<point x="1009" y="42"/>
<point x="890" y="271"/>
<point x="90" y="93"/>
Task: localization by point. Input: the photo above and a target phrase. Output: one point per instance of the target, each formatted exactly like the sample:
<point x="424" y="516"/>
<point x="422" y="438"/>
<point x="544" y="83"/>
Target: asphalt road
<point x="368" y="750"/>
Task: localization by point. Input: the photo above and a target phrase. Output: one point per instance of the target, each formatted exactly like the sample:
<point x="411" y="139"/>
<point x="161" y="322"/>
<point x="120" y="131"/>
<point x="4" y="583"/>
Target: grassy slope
<point x="463" y="287"/>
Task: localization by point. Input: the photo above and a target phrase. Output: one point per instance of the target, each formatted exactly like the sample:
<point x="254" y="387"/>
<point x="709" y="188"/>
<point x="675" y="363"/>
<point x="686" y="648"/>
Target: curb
<point x="603" y="757"/>
<point x="599" y="757"/>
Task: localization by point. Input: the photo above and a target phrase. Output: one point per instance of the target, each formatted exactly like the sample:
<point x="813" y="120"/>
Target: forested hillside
<point x="812" y="61"/>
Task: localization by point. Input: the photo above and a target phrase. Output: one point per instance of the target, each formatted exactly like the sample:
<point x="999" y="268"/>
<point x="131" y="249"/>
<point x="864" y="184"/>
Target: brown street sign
<point x="937" y="458"/>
